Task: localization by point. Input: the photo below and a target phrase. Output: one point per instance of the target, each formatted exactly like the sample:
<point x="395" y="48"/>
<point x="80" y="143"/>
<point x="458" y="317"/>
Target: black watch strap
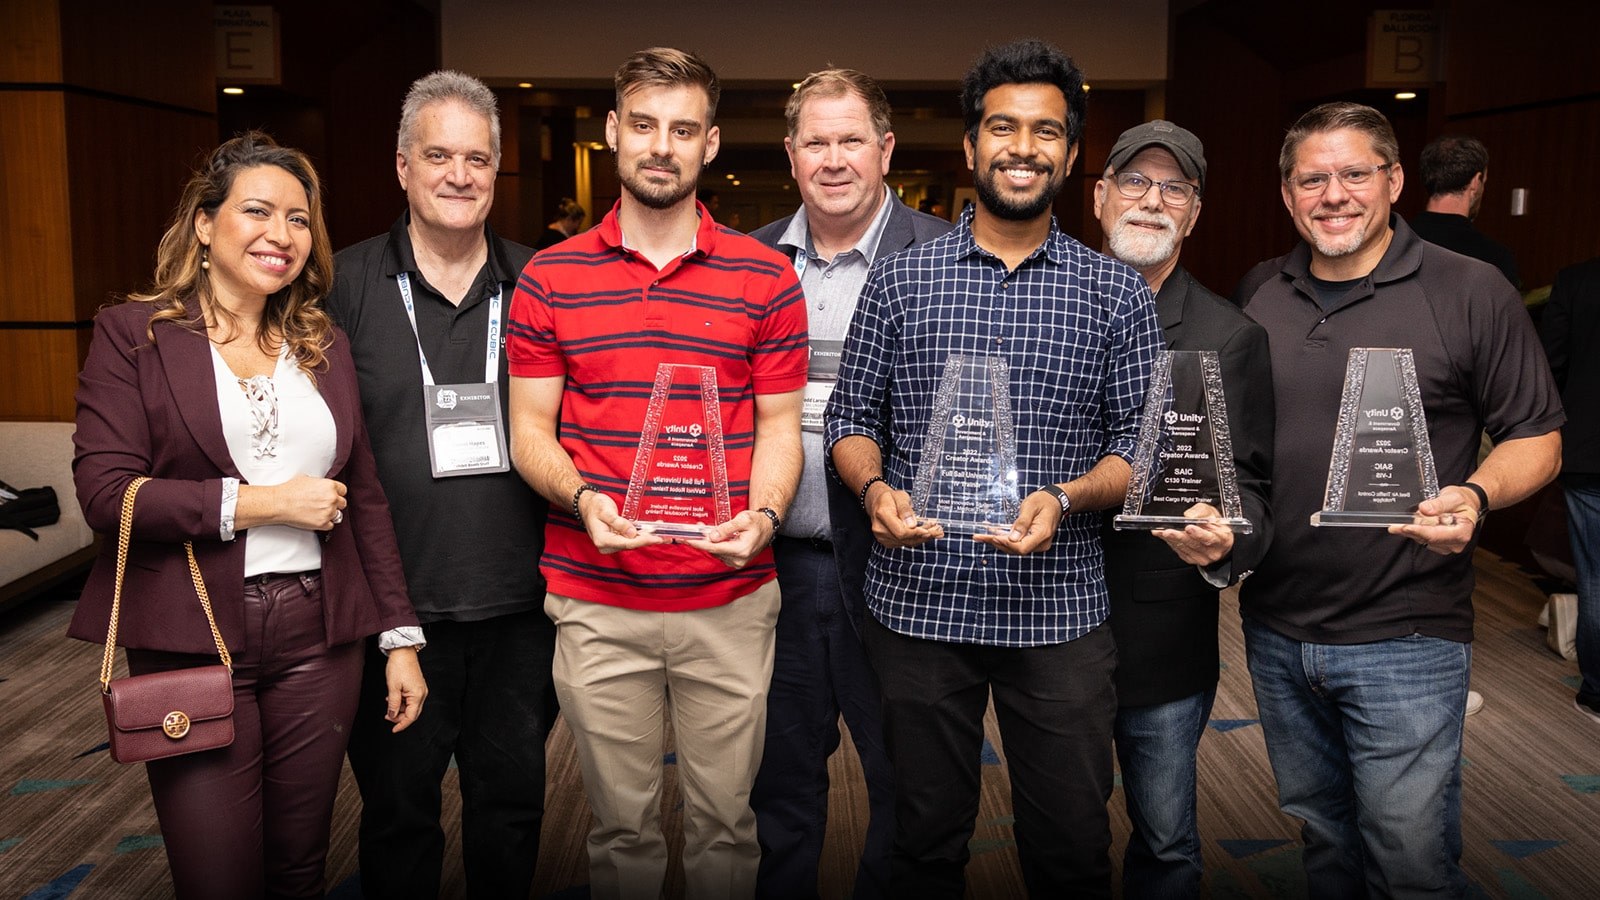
<point x="1061" y="497"/>
<point x="1483" y="499"/>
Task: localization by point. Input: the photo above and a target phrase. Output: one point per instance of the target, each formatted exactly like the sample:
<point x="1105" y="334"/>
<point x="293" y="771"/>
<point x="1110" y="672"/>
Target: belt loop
<point x="306" y="583"/>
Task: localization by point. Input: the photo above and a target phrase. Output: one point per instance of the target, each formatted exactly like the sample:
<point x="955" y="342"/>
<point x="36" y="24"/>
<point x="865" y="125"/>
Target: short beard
<point x="1140" y="249"/>
<point x="657" y="196"/>
<point x="1354" y="241"/>
<point x="1015" y="210"/>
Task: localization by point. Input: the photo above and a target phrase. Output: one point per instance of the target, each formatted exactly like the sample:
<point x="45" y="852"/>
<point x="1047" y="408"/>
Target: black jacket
<point x="1570" y="331"/>
<point x="1163" y="613"/>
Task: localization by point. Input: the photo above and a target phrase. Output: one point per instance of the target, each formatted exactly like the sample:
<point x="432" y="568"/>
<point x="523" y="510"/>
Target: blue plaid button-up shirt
<point x="1079" y="333"/>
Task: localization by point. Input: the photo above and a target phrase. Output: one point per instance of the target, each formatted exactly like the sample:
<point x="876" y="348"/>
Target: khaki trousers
<point x="617" y="672"/>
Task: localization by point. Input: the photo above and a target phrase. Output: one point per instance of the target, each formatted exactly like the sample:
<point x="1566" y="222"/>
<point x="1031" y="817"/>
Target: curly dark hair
<point x="1024" y="62"/>
<point x="293" y="315"/>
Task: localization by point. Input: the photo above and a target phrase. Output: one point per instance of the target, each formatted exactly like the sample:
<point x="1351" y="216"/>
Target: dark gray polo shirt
<point x="470" y="545"/>
<point x="1480" y="368"/>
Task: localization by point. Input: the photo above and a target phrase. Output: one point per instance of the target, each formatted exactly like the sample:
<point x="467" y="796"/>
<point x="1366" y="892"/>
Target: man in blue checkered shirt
<point x="1019" y="614"/>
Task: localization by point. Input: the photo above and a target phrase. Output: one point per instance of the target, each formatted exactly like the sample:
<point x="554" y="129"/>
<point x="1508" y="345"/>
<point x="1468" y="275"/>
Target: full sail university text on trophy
<point x="679" y="484"/>
<point x="1185" y="450"/>
<point x="1382" y="465"/>
<point x="966" y="480"/>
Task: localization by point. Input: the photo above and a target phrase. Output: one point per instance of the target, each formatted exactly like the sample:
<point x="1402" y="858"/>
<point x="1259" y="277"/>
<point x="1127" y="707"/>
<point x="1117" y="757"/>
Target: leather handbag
<point x="164" y="714"/>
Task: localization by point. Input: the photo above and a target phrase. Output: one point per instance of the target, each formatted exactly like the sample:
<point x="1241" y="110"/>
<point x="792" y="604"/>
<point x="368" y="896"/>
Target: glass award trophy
<point x="967" y="479"/>
<point x="679" y="484"/>
<point x="1185" y="451"/>
<point x="1382" y="463"/>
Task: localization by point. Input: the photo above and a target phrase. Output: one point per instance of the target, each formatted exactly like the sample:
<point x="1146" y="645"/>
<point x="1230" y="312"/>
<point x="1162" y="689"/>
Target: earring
<point x="205" y="257"/>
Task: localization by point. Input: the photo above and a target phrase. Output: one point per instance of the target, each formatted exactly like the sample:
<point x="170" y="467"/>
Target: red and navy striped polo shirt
<point x="604" y="317"/>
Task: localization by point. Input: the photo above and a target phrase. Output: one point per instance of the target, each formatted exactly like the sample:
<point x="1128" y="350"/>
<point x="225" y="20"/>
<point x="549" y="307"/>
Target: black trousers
<point x="1055" y="705"/>
<point x="490" y="705"/>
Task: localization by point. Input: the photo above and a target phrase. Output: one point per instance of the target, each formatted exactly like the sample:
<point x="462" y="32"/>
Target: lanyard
<point x="491" y="356"/>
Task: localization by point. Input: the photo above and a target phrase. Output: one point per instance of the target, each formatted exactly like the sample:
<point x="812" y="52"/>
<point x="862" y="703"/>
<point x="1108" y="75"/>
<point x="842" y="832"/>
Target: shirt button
<point x="828" y="274"/>
<point x="984" y="562"/>
<point x="999" y="341"/>
<point x="822" y="306"/>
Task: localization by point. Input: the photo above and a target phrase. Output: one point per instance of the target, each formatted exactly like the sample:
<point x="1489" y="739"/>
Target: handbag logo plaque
<point x="175" y="725"/>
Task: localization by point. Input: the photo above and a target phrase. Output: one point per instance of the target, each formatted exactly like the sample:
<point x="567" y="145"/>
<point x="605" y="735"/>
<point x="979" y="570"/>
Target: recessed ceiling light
<point x="235" y="91"/>
<point x="736" y="182"/>
<point x="729" y="176"/>
<point x="524" y="84"/>
<point x="1406" y="95"/>
<point x="795" y="86"/>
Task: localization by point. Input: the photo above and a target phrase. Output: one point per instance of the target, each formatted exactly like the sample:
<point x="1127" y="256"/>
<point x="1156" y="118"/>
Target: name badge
<point x="822" y="374"/>
<point x="466" y="434"/>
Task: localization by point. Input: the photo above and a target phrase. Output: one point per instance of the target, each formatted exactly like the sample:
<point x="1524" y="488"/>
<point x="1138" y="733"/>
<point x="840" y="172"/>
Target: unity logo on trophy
<point x="679" y="484"/>
<point x="1185" y="450"/>
<point x="966" y="480"/>
<point x="1382" y="465"/>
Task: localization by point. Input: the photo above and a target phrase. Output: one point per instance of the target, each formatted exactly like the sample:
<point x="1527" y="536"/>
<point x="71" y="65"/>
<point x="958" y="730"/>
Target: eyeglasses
<point x="1354" y="178"/>
<point x="1173" y="193"/>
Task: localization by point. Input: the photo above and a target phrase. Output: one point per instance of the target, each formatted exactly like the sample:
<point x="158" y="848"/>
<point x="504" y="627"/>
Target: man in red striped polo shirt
<point x="647" y="624"/>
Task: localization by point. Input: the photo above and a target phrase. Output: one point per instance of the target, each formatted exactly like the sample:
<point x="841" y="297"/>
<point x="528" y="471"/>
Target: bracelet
<point x="862" y="500"/>
<point x="578" y="495"/>
<point x="777" y="521"/>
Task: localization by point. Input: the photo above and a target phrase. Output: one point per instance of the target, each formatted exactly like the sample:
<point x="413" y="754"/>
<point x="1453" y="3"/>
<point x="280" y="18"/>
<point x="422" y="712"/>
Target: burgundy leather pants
<point x="252" y="820"/>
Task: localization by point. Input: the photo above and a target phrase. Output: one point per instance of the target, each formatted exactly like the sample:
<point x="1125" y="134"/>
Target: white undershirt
<point x="305" y="444"/>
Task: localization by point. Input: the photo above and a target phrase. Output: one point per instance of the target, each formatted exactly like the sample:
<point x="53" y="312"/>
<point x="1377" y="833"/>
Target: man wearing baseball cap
<point x="1163" y="584"/>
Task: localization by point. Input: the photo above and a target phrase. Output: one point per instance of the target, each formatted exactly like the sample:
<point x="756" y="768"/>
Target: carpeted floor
<point x="75" y="824"/>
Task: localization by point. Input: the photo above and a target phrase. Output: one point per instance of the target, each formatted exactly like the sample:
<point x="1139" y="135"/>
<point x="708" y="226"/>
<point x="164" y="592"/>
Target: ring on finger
<point x="338" y="516"/>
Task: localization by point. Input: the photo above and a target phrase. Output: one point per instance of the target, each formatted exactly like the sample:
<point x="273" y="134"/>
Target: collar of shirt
<point x="798" y="234"/>
<point x="402" y="257"/>
<point x="705" y="236"/>
<point x="1053" y="247"/>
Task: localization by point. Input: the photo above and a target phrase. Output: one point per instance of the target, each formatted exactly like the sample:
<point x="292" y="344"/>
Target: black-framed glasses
<point x="1354" y="179"/>
<point x="1134" y="186"/>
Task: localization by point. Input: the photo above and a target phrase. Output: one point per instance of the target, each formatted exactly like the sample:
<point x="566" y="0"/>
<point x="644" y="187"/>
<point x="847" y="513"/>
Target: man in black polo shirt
<point x="1359" y="639"/>
<point x="424" y="306"/>
<point x="1455" y="171"/>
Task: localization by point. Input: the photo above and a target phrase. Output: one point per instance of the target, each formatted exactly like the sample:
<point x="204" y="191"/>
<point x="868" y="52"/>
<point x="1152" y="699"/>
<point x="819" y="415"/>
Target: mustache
<point x="656" y="163"/>
<point x="1040" y="167"/>
<point x="1134" y="217"/>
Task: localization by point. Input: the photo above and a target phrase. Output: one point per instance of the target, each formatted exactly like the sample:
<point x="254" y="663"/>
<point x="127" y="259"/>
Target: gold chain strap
<point x="124" y="534"/>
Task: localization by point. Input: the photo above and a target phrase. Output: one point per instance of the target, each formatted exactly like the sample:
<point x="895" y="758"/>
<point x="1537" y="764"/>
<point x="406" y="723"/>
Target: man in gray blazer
<point x="1164" y="592"/>
<point x="839" y="146"/>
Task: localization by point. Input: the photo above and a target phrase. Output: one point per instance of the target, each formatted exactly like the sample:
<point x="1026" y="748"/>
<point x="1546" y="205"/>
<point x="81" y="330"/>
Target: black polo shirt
<point x="1480" y="368"/>
<point x="470" y="544"/>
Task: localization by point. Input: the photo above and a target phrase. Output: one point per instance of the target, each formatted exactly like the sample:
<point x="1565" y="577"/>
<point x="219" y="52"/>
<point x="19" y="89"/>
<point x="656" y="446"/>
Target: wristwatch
<point x="1061" y="497"/>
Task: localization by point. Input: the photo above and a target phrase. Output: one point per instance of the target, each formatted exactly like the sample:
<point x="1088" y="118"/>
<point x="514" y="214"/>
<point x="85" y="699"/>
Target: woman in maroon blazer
<point x="228" y="385"/>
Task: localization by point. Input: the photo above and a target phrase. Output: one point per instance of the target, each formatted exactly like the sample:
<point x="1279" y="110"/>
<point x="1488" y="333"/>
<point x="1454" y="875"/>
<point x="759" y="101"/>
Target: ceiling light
<point x="524" y="84"/>
<point x="1406" y="95"/>
<point x="233" y="91"/>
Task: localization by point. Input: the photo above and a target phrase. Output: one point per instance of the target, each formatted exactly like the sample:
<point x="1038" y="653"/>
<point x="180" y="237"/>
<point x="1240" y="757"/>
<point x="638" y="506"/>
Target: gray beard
<point x="1140" y="250"/>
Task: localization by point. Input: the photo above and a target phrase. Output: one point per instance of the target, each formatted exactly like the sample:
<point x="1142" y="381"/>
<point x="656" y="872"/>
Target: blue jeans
<point x="1583" y="523"/>
<point x="1365" y="744"/>
<point x="1155" y="749"/>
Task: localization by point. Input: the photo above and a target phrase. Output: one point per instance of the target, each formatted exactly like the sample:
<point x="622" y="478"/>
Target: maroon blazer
<point x="152" y="410"/>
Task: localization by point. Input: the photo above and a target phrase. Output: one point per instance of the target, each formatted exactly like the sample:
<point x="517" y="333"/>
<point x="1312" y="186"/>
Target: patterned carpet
<point x="75" y="824"/>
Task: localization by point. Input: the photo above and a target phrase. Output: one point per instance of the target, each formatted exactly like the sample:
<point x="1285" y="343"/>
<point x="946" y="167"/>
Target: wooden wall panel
<point x="1510" y="54"/>
<point x="128" y="165"/>
<point x="40" y="372"/>
<point x="1549" y="150"/>
<point x="1230" y="97"/>
<point x="161" y="51"/>
<point x="35" y="243"/>
<point x="30" y="42"/>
